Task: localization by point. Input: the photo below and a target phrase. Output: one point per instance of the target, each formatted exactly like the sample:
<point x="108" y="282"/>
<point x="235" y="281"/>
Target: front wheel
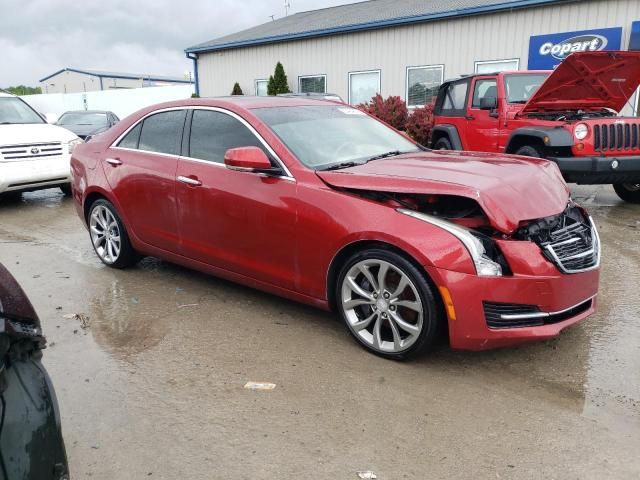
<point x="443" y="144"/>
<point x="629" y="192"/>
<point x="387" y="304"/>
<point x="529" y="151"/>
<point x="109" y="236"/>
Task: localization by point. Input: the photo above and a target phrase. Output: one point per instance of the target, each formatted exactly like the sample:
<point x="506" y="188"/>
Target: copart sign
<point x="547" y="51"/>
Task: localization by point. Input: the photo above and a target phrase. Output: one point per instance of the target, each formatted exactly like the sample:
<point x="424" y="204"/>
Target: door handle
<point x="194" y="182"/>
<point x="469" y="117"/>
<point x="114" y="161"/>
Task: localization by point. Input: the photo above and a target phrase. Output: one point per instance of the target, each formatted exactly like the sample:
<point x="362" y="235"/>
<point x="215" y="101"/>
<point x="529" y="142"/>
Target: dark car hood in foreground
<point x="509" y="189"/>
<point x="589" y="81"/>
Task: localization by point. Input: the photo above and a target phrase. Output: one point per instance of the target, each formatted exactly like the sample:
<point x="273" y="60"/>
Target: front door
<point x="141" y="171"/>
<point x="239" y="221"/>
<point x="482" y="129"/>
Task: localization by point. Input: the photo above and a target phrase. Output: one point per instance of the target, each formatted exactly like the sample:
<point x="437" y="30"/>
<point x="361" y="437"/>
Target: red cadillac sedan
<point x="318" y="202"/>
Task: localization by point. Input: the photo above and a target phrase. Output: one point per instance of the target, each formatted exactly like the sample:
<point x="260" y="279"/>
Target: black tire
<point x="66" y="189"/>
<point x="443" y="143"/>
<point x="432" y="319"/>
<point x="127" y="256"/>
<point x="629" y="192"/>
<point x="530" y="151"/>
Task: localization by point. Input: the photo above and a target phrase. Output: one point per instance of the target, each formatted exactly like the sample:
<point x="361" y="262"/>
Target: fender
<point x="450" y="131"/>
<point x="556" y="136"/>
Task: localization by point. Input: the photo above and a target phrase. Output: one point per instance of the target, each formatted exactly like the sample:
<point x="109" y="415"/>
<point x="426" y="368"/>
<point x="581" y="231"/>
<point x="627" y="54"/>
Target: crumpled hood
<point x="18" y="134"/>
<point x="510" y="189"/>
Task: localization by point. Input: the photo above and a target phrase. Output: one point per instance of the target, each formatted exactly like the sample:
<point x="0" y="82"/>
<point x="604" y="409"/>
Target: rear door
<point x="482" y="129"/>
<point x="241" y="222"/>
<point x="141" y="171"/>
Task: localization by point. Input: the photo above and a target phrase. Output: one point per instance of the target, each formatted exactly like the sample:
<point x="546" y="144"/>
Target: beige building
<point x="72" y="80"/>
<point x="407" y="47"/>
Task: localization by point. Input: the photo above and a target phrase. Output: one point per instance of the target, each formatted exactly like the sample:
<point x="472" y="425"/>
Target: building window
<point x="312" y="84"/>
<point x="363" y="86"/>
<point x="261" y="88"/>
<point x="423" y="83"/>
<point x="493" y="66"/>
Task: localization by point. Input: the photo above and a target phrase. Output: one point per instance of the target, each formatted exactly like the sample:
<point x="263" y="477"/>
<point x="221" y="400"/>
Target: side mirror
<point x="248" y="159"/>
<point x="51" y="117"/>
<point x="488" y="103"/>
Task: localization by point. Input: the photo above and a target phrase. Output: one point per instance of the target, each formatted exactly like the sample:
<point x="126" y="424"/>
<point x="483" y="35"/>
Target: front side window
<point x="312" y="84"/>
<point x="520" y="88"/>
<point x="484" y="88"/>
<point x="363" y="86"/>
<point x="495" y="66"/>
<point x="261" y="88"/>
<point x="423" y="84"/>
<point x="213" y="133"/>
<point x="131" y="139"/>
<point x="13" y="110"/>
<point x="324" y="136"/>
<point x="162" y="132"/>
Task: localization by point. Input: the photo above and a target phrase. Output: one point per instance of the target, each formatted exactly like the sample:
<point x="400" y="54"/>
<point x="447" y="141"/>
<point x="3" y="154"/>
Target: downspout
<point x="195" y="71"/>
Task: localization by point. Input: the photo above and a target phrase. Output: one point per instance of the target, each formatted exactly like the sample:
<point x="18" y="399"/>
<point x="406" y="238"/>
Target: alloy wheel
<point x="382" y="306"/>
<point x="105" y="234"/>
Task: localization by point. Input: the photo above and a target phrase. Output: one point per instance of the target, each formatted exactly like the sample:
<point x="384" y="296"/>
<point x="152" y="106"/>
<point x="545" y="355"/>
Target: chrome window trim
<point x="288" y="175"/>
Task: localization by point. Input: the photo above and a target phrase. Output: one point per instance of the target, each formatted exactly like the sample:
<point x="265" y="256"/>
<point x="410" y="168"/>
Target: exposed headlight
<point x="581" y="131"/>
<point x="485" y="266"/>
<point x="72" y="144"/>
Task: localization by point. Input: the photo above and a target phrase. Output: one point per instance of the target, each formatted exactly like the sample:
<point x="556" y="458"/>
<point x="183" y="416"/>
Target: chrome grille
<point x="574" y="248"/>
<point x="617" y="137"/>
<point x="18" y="153"/>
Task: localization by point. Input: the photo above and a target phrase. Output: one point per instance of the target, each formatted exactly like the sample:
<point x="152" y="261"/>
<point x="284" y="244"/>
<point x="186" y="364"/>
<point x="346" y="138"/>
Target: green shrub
<point x="278" y="81"/>
<point x="236" y="89"/>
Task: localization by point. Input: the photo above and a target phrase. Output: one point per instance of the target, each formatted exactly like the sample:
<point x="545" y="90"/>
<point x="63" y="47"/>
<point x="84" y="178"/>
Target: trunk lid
<point x="588" y="81"/>
<point x="509" y="189"/>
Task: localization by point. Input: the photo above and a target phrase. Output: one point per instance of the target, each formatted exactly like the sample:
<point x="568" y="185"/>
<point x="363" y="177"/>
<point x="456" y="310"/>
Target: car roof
<point x="244" y="102"/>
<point x="87" y="111"/>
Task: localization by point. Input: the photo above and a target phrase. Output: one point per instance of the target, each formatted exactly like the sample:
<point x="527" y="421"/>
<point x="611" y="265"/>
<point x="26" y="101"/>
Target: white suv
<point x="33" y="154"/>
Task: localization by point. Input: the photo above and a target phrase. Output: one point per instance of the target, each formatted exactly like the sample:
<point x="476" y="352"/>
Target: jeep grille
<point x="619" y="137"/>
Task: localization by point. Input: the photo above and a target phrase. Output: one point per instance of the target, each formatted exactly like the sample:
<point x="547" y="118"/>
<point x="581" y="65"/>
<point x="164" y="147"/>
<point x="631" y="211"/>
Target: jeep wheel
<point x="443" y="144"/>
<point x="629" y="192"/>
<point x="529" y="151"/>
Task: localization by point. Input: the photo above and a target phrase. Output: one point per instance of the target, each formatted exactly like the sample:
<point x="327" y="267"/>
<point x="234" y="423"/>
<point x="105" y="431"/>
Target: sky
<point x="40" y="37"/>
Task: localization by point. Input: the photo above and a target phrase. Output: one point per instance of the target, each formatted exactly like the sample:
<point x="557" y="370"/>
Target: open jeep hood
<point x="588" y="81"/>
<point x="509" y="189"/>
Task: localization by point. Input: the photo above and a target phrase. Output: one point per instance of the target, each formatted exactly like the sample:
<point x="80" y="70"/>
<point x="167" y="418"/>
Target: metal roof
<point x="360" y="16"/>
<point x="129" y="76"/>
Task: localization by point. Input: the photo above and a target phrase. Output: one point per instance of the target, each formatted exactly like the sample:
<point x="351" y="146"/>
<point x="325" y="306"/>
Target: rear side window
<point x="452" y="99"/>
<point x="130" y="140"/>
<point x="213" y="133"/>
<point x="162" y="132"/>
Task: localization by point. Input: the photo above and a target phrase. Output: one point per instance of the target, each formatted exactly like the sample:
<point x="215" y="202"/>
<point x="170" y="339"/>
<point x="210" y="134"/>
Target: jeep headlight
<point x="581" y="131"/>
<point x="72" y="144"/>
<point x="474" y="243"/>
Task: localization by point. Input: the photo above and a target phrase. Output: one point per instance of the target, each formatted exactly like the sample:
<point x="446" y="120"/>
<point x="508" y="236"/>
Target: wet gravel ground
<point x="153" y="386"/>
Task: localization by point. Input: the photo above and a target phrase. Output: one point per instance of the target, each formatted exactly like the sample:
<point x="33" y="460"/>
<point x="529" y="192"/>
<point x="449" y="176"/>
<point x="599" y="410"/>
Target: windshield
<point x="520" y="88"/>
<point x="93" y="119"/>
<point x="325" y="136"/>
<point x="14" y="110"/>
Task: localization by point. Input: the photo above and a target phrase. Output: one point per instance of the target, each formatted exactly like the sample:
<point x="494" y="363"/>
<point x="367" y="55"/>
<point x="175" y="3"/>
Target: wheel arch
<point x="542" y="137"/>
<point x="358" y="245"/>
<point x="446" y="131"/>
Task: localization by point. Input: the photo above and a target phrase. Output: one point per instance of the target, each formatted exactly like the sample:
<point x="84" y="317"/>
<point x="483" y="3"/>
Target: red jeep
<point x="568" y="116"/>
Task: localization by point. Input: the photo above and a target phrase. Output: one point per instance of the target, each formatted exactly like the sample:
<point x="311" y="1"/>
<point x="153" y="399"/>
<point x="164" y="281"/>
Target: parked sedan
<point x="321" y="203"/>
<point x="86" y="123"/>
<point x="31" y="445"/>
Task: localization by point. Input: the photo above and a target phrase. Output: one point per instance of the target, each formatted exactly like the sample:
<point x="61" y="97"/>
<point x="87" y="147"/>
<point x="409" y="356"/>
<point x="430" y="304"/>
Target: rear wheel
<point x="443" y="144"/>
<point x="629" y="192"/>
<point x="109" y="236"/>
<point x="387" y="304"/>
<point x="529" y="151"/>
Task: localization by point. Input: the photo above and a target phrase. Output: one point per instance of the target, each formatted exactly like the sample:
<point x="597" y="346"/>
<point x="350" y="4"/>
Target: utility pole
<point x="287" y="6"/>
